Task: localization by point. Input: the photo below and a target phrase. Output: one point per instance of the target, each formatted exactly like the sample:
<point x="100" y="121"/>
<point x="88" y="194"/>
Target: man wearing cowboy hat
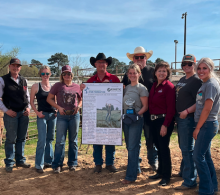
<point x="101" y="63"/>
<point x="16" y="108"/>
<point x="140" y="57"/>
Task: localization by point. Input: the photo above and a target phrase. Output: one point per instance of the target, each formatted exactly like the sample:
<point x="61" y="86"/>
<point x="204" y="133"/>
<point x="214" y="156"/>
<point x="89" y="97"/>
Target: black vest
<point x="15" y="95"/>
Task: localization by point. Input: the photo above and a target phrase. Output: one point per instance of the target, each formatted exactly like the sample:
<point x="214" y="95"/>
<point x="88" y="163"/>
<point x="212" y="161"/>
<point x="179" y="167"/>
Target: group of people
<point x="193" y="104"/>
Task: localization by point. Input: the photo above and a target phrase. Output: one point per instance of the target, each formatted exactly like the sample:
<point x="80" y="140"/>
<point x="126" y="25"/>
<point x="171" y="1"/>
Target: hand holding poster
<point x="101" y="114"/>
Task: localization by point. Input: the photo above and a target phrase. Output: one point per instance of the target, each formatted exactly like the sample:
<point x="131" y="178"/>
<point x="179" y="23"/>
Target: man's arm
<point x="2" y="106"/>
<point x="2" y="85"/>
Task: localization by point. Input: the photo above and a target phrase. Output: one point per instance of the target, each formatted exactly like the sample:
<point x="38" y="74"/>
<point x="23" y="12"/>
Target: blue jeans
<point x="44" y="150"/>
<point x="152" y="155"/>
<point x="186" y="143"/>
<point x="16" y="130"/>
<point x="64" y="123"/>
<point x="132" y="134"/>
<point x="110" y="154"/>
<point x="108" y="116"/>
<point x="208" y="183"/>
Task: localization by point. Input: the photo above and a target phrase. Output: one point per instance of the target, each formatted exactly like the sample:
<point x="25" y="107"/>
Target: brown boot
<point x="111" y="168"/>
<point x="98" y="169"/>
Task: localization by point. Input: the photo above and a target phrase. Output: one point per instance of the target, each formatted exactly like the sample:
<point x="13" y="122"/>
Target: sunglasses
<point x="66" y="73"/>
<point x="188" y="63"/>
<point x="137" y="57"/>
<point x="43" y="73"/>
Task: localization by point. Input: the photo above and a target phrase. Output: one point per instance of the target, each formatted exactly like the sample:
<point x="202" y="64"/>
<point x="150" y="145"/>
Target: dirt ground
<point x="84" y="181"/>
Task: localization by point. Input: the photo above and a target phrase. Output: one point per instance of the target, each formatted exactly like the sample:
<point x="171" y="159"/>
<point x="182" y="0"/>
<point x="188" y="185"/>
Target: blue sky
<point x="87" y="27"/>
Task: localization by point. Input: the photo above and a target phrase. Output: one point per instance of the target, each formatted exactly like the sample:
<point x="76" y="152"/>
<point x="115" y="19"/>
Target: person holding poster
<point x="101" y="63"/>
<point x="69" y="100"/>
<point x="138" y="95"/>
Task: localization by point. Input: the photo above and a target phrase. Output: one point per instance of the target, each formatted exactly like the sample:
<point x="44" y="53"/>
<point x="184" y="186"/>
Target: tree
<point x="5" y="59"/>
<point x="116" y="64"/>
<point x="57" y="60"/>
<point x="29" y="71"/>
<point x="79" y="63"/>
<point x="159" y="60"/>
<point x="36" y="63"/>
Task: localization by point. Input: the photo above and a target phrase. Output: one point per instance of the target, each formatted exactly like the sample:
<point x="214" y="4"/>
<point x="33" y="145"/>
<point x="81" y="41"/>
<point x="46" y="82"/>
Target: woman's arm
<point x="204" y="115"/>
<point x="34" y="90"/>
<point x="144" y="101"/>
<point x="184" y="113"/>
<point x="79" y="105"/>
<point x="51" y="101"/>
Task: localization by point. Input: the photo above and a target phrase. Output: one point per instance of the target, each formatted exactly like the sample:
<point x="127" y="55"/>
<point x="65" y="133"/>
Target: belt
<point x="154" y="117"/>
<point x="69" y="112"/>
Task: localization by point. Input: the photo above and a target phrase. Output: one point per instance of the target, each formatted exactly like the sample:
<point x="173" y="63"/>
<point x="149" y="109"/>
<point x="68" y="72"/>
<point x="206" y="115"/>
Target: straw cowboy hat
<point x="100" y="56"/>
<point x="139" y="50"/>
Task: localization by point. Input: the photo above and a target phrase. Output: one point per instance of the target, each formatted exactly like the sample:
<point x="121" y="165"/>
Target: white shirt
<point x="2" y="85"/>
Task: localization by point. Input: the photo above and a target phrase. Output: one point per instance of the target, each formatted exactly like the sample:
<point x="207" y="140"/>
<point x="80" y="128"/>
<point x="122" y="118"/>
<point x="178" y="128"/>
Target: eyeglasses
<point x="66" y="73"/>
<point x="137" y="57"/>
<point x="188" y="63"/>
<point x="43" y="73"/>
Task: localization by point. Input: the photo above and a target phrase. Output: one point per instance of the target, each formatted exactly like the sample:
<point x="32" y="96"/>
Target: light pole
<point x="184" y="16"/>
<point x="175" y="41"/>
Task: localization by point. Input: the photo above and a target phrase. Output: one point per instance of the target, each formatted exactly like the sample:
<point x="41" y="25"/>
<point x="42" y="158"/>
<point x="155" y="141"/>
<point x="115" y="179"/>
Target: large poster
<point x="101" y="114"/>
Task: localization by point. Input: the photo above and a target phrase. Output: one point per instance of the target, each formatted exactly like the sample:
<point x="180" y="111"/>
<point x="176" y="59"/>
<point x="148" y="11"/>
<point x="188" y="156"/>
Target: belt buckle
<point x="153" y="117"/>
<point x="69" y="112"/>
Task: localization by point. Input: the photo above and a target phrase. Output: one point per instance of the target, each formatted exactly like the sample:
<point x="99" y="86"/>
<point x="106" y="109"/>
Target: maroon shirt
<point x="162" y="100"/>
<point x="67" y="96"/>
<point x="112" y="78"/>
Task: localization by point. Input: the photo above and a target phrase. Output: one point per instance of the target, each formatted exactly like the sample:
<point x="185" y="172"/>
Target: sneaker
<point x="98" y="169"/>
<point x="153" y="167"/>
<point x="24" y="165"/>
<point x="8" y="169"/>
<point x="164" y="182"/>
<point x="39" y="170"/>
<point x="57" y="170"/>
<point x="47" y="166"/>
<point x="72" y="168"/>
<point x="111" y="168"/>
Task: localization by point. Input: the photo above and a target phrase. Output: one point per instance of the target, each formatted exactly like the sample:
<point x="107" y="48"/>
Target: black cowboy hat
<point x="100" y="56"/>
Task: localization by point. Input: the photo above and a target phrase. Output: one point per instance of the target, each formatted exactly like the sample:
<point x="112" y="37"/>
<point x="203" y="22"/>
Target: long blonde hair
<point x="210" y="65"/>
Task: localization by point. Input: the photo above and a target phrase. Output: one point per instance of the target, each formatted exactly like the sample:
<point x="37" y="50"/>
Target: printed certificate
<point x="101" y="113"/>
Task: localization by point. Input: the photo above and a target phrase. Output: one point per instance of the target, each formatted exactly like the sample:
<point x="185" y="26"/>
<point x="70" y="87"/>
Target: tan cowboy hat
<point x="139" y="50"/>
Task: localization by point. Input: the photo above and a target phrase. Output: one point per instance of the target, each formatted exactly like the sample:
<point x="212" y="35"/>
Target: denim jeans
<point x="44" y="150"/>
<point x="108" y="116"/>
<point x="16" y="130"/>
<point x="208" y="183"/>
<point x="110" y="154"/>
<point x="186" y="143"/>
<point x="132" y="134"/>
<point x="64" y="123"/>
<point x="151" y="149"/>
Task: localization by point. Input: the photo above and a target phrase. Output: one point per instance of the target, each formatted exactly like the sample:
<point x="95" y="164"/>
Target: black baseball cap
<point x="15" y="61"/>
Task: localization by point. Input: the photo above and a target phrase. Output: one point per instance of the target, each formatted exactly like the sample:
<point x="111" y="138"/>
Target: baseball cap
<point x="15" y="61"/>
<point x="66" y="68"/>
<point x="189" y="58"/>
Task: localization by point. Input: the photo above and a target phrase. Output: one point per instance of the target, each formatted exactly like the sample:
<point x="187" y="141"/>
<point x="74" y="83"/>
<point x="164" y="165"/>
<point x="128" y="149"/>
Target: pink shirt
<point x="67" y="96"/>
